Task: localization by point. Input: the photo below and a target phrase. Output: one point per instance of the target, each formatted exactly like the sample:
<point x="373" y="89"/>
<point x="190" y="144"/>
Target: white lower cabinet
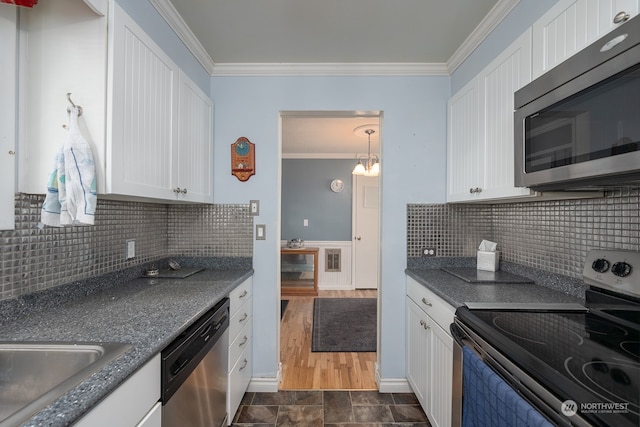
<point x="430" y="352"/>
<point x="135" y="403"/>
<point x="153" y="417"/>
<point x="240" y="345"/>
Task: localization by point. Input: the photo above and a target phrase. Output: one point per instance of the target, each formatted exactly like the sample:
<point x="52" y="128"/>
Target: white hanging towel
<point x="71" y="191"/>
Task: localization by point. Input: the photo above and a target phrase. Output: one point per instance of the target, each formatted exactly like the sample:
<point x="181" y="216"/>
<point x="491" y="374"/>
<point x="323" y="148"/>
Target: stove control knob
<point x="600" y="265"/>
<point x="621" y="269"/>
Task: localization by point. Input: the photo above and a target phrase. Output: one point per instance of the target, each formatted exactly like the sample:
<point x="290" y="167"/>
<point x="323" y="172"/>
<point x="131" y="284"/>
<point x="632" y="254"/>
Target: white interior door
<point x="366" y="232"/>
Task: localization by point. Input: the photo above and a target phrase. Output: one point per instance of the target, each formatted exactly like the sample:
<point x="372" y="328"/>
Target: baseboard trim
<point x="394" y="385"/>
<point x="391" y="385"/>
<point x="263" y="385"/>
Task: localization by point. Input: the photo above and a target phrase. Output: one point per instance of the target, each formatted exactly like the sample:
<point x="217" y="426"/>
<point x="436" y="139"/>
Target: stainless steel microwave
<point x="578" y="125"/>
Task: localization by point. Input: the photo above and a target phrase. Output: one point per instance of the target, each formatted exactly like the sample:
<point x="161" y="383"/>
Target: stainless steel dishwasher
<point x="194" y="373"/>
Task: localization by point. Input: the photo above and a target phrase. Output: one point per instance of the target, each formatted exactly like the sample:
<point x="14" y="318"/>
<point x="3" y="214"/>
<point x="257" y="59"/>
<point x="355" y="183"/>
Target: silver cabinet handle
<point x="244" y="318"/>
<point x="177" y="190"/>
<point x="621" y="17"/>
<point x="184" y="191"/>
<point x="358" y="237"/>
<point x="244" y="341"/>
<point x="244" y="365"/>
<point x="244" y="294"/>
<point x="425" y="302"/>
<point x="424" y="324"/>
<point x="475" y="190"/>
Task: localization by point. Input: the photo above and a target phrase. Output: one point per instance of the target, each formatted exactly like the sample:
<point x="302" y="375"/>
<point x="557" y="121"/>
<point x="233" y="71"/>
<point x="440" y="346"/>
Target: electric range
<point x="575" y="365"/>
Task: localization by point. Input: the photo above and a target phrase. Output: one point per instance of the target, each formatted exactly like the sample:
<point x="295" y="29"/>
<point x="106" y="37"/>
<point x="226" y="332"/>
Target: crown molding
<point x="330" y="69"/>
<point x="332" y="156"/>
<point x="477" y="36"/>
<point x="182" y="30"/>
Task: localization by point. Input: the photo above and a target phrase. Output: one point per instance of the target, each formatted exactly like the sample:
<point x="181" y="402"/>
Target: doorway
<point x="328" y="137"/>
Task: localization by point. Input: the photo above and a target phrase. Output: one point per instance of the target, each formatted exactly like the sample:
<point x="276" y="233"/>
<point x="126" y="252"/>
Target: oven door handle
<point x="458" y="334"/>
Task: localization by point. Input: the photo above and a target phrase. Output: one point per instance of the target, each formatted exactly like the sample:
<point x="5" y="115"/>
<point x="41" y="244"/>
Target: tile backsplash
<point x="554" y="236"/>
<point x="33" y="259"/>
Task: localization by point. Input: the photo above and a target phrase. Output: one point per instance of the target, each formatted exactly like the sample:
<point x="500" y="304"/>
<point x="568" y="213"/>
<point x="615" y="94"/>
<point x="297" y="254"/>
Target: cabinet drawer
<point x="239" y="379"/>
<point x="239" y="343"/>
<point x="437" y="308"/>
<point x="241" y="318"/>
<point x="239" y="296"/>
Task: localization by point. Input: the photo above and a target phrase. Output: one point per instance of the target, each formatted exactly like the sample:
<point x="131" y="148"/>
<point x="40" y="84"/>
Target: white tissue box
<point x="488" y="261"/>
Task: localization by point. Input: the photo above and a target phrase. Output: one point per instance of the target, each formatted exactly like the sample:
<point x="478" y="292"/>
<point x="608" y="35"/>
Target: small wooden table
<point x="299" y="271"/>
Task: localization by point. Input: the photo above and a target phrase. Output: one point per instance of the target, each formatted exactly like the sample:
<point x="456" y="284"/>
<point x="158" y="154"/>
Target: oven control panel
<point x="615" y="270"/>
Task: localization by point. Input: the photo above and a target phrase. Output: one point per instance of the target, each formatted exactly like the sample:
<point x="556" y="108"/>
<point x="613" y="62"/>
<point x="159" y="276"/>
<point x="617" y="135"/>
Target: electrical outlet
<point x="429" y="252"/>
<point x="130" y="249"/>
<point x="254" y="207"/>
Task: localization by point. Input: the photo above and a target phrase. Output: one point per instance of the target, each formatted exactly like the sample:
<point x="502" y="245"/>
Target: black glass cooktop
<point x="578" y="356"/>
<point x="473" y="275"/>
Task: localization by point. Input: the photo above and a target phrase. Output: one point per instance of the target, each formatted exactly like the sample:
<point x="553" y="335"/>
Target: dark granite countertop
<point x="548" y="288"/>
<point x="147" y="313"/>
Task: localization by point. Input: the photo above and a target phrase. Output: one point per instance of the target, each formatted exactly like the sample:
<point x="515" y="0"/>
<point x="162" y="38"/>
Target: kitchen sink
<point x="34" y="374"/>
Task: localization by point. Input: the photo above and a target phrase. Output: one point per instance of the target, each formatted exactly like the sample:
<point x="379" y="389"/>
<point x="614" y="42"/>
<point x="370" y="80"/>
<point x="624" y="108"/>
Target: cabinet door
<point x="464" y="148"/>
<point x="570" y="26"/>
<point x="194" y="175"/>
<point x="441" y="378"/>
<point x="417" y="356"/>
<point x="498" y="82"/>
<point x="143" y="109"/>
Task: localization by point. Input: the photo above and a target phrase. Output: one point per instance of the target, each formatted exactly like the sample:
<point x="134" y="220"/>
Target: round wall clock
<point x="243" y="160"/>
<point x="337" y="185"/>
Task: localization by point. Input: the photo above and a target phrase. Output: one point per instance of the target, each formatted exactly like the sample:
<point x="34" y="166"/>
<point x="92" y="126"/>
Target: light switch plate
<point x="261" y="232"/>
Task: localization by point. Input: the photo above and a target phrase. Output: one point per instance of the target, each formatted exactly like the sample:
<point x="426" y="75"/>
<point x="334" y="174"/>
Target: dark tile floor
<point x="330" y="408"/>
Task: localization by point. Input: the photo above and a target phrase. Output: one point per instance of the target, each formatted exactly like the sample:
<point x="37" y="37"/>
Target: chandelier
<point x="369" y="165"/>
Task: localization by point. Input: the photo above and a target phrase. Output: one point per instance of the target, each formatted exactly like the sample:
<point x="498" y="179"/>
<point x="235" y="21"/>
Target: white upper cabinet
<point x="143" y="109"/>
<point x="141" y="116"/>
<point x="8" y="34"/>
<point x="193" y="179"/>
<point x="570" y="26"/>
<point x="464" y="148"/>
<point x="480" y="129"/>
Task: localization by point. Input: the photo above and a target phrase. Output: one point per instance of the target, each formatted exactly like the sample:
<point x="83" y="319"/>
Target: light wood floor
<point x="303" y="369"/>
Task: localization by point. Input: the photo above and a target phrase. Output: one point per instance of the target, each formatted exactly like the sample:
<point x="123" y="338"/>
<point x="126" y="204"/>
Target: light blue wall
<point x="520" y="18"/>
<point x="156" y="27"/>
<point x="306" y="193"/>
<point x="413" y="156"/>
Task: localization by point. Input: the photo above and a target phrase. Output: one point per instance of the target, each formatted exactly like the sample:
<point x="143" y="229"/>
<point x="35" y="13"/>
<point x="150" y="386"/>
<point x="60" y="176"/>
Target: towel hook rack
<point x="71" y="102"/>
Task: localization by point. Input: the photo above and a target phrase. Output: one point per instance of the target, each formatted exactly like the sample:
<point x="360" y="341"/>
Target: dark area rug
<point x="283" y="307"/>
<point x="344" y="325"/>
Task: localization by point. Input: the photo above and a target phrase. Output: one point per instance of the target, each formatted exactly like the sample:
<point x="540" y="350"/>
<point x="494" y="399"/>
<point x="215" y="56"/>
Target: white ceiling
<point x="327" y="135"/>
<point x="332" y="31"/>
<point x="360" y="34"/>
